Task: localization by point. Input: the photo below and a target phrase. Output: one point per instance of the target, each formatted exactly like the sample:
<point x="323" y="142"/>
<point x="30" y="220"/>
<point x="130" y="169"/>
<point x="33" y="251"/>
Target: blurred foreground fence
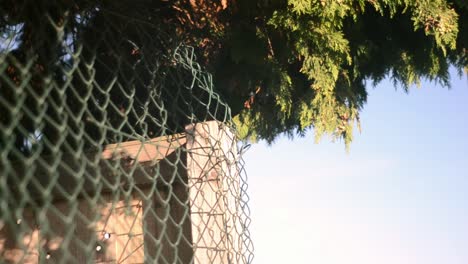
<point x="114" y="148"/>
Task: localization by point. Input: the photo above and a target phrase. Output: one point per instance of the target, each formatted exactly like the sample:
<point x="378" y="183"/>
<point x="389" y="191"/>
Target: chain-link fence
<point x="114" y="147"/>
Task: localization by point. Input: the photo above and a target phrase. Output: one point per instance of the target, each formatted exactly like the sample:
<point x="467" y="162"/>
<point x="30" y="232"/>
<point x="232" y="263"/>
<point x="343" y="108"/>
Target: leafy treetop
<point x="283" y="66"/>
<point x="302" y="64"/>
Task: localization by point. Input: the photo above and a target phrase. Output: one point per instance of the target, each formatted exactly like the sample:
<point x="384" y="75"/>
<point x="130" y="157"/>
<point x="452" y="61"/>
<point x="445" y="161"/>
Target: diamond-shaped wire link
<point x="114" y="145"/>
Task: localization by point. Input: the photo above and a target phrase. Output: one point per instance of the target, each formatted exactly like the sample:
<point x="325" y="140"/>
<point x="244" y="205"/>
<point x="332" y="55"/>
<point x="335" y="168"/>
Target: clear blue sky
<point x="400" y="196"/>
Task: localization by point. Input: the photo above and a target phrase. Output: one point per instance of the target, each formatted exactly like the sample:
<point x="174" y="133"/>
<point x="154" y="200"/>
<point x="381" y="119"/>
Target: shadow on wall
<point x="138" y="212"/>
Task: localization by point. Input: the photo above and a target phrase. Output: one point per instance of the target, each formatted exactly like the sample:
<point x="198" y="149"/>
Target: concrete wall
<point x="169" y="200"/>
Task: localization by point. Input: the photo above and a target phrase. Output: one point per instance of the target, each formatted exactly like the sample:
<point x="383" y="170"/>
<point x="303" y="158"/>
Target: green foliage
<point x="283" y="66"/>
<point x="318" y="55"/>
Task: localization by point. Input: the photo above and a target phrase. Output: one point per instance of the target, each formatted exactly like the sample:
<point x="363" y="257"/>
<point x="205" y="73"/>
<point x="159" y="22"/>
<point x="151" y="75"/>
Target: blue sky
<point x="399" y="196"/>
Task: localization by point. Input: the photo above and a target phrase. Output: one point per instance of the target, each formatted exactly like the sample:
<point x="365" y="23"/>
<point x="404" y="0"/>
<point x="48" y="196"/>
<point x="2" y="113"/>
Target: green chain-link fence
<point x="114" y="148"/>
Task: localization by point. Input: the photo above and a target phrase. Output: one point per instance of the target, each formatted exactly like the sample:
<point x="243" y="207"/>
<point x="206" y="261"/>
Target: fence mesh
<point x="114" y="147"/>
